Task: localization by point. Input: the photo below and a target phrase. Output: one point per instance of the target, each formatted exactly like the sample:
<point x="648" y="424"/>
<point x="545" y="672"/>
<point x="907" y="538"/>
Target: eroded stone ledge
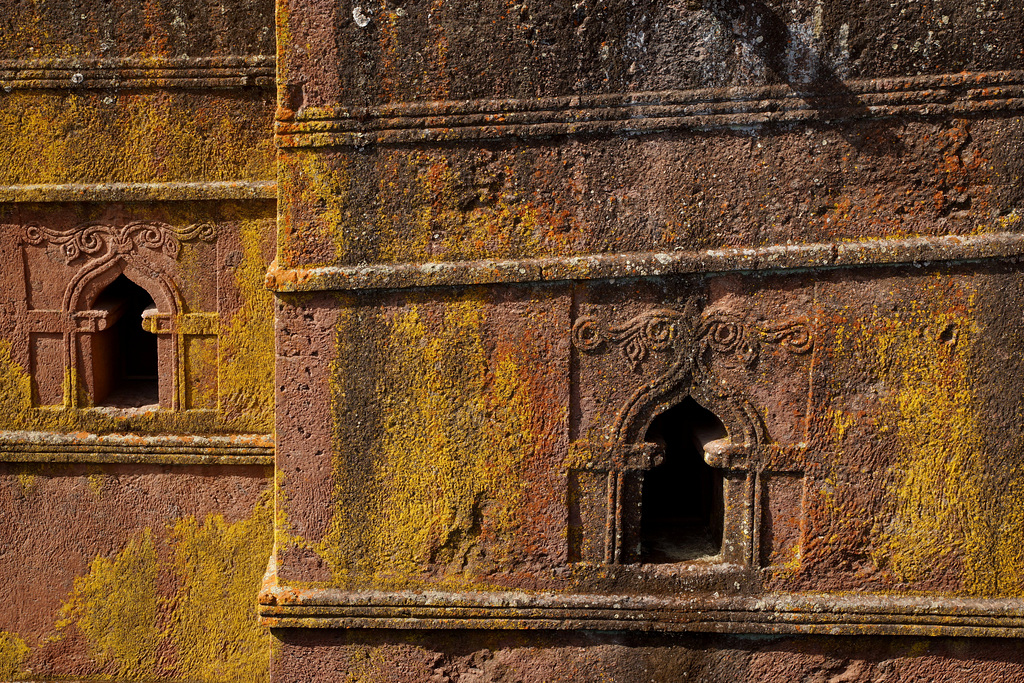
<point x="653" y="111"/>
<point x="914" y="250"/>
<point x="774" y="613"/>
<point x="140" y="192"/>
<point x="82" y="447"/>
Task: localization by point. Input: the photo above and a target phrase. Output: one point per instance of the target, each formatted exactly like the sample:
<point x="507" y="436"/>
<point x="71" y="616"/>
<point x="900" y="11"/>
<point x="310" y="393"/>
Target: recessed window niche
<point x="123" y="355"/>
<point x="682" y="506"/>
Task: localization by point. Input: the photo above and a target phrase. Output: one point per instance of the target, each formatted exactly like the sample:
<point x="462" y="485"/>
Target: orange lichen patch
<point x="448" y="488"/>
<point x="438" y="53"/>
<point x="944" y="173"/>
<point x="963" y="170"/>
<point x="390" y="76"/>
<point x="944" y="514"/>
<point x="433" y="215"/>
<point x="278" y="278"/>
<point x="78" y="138"/>
<point x="156" y="22"/>
<point x="425" y="209"/>
<point x="129" y="618"/>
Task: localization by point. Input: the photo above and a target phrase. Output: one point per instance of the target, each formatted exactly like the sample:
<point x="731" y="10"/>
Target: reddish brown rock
<point x="595" y="341"/>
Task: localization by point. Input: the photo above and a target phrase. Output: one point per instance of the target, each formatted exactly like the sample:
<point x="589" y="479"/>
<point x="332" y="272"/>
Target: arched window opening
<point x="124" y="356"/>
<point x="681" y="509"/>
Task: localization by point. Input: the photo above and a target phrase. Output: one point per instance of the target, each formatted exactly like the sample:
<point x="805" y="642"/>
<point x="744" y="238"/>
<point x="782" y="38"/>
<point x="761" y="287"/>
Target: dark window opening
<point x="681" y="509"/>
<point x="124" y="356"/>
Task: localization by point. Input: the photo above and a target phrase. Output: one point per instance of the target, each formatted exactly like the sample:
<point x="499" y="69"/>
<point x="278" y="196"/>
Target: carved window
<point x="120" y="357"/>
<point x="107" y="324"/>
<point x="676" y="474"/>
<point x="681" y="508"/>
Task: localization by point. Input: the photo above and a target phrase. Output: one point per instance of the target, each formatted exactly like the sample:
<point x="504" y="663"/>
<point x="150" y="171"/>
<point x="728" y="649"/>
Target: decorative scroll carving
<point x="673" y="330"/>
<point x="97" y="240"/>
<point x="692" y="337"/>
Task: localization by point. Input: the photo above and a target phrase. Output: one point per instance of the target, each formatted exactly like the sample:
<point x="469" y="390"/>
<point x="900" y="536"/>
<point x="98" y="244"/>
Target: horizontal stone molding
<point x="79" y="447"/>
<point x="214" y="190"/>
<point x="773" y="613"/>
<point x="135" y="73"/>
<point x="914" y="250"/>
<point x="650" y="112"/>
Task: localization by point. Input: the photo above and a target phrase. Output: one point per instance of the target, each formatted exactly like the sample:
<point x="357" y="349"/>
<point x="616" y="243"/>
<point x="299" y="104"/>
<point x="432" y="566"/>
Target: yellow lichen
<point x="944" y="514"/>
<point x="13" y="652"/>
<point x="200" y="371"/>
<point x="447" y="489"/>
<point x="96" y="484"/>
<point x="246" y="352"/>
<point x="15" y="389"/>
<point x="426" y="210"/>
<point x="214" y="626"/>
<point x="77" y="138"/>
<point x="210" y="619"/>
<point x="28" y="483"/>
<point x="116" y="606"/>
<point x="324" y="188"/>
<point x="435" y="225"/>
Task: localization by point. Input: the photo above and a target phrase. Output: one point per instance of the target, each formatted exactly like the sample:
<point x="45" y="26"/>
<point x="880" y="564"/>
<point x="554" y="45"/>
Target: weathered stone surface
<point x="527" y="255"/>
<point x="136" y="501"/>
<point x="132" y="572"/>
<point x="603" y="341"/>
<point x="529" y="657"/>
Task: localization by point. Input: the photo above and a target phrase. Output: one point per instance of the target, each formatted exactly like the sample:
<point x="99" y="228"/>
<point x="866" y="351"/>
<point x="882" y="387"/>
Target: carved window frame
<point x="146" y="253"/>
<point x="692" y="337"/>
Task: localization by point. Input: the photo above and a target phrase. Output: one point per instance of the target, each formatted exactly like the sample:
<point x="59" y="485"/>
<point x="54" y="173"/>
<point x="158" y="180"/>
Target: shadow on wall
<point x="798" y="63"/>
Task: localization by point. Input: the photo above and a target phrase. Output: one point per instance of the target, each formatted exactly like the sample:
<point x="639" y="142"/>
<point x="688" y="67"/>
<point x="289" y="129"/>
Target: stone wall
<point x="577" y="341"/>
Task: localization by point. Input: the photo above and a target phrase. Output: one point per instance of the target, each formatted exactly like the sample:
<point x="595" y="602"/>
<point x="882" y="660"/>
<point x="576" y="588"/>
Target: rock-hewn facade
<point x="594" y="341"/>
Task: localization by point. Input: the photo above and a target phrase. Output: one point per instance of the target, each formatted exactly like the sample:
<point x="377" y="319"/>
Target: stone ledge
<point x="193" y="73"/>
<point x="214" y="190"/>
<point x="82" y="447"/>
<point x="699" y="109"/>
<point x="918" y="251"/>
<point x="773" y="613"/>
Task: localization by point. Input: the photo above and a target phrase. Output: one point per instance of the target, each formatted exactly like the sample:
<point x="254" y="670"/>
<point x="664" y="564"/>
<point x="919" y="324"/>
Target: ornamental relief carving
<point x="94" y="241"/>
<point x="691" y="333"/>
<point x="692" y="338"/>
